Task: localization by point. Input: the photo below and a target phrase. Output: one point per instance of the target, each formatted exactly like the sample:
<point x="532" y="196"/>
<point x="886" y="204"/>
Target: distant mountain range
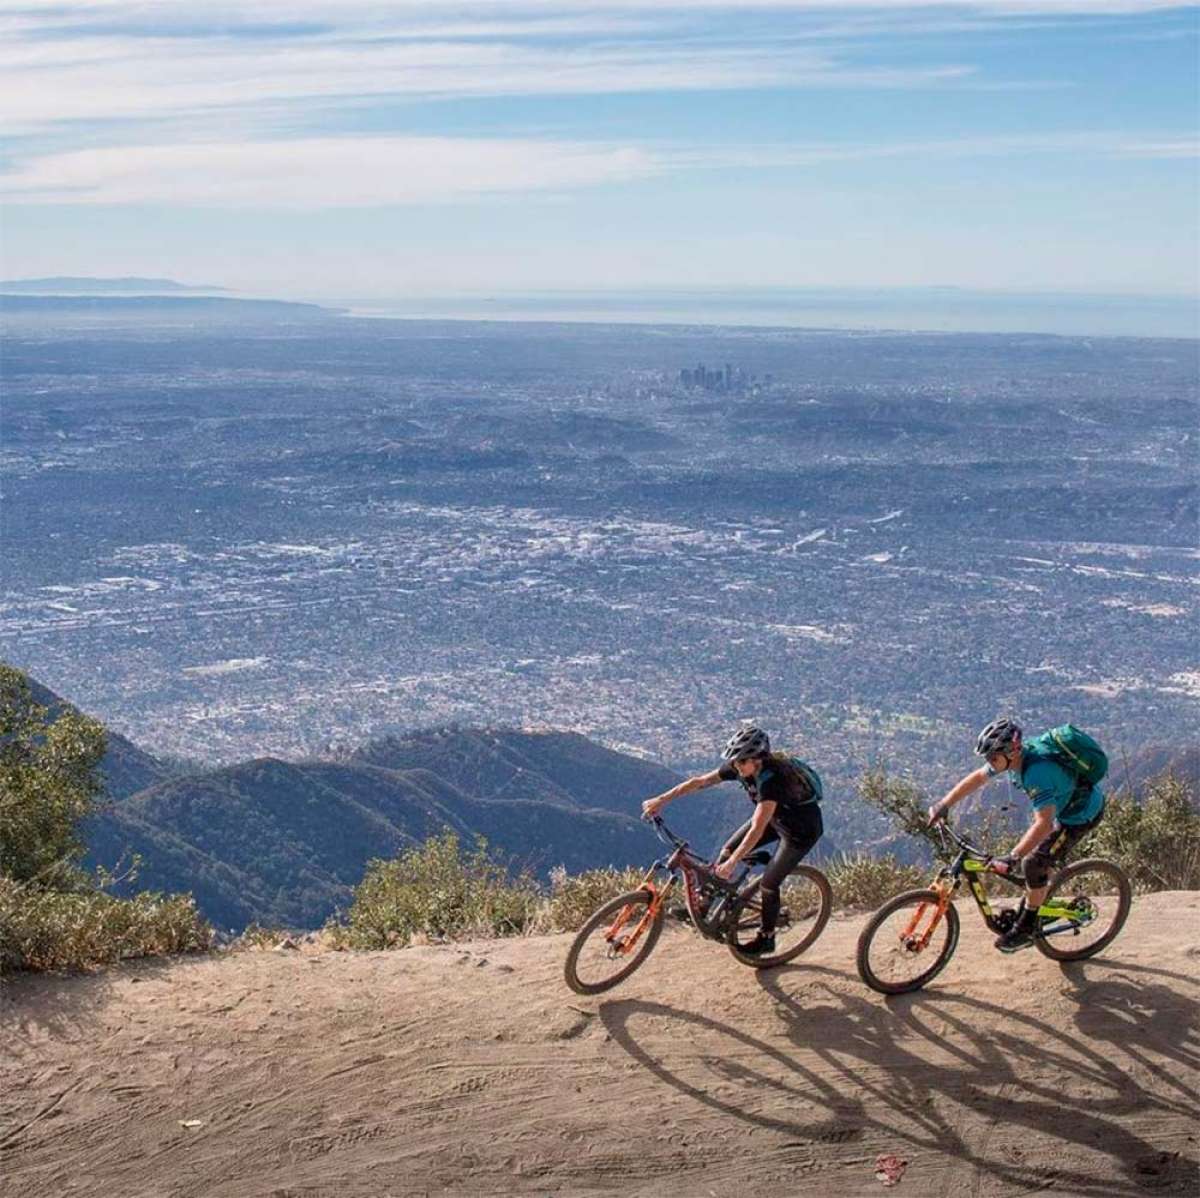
<point x="72" y="285"/>
<point x="196" y="309"/>
<point x="285" y="842"/>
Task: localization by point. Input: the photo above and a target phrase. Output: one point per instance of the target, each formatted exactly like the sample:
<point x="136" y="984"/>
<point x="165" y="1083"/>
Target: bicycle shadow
<point x="1006" y="1054"/>
<point x="946" y="1074"/>
<point x="616" y="1016"/>
<point x="1137" y="1018"/>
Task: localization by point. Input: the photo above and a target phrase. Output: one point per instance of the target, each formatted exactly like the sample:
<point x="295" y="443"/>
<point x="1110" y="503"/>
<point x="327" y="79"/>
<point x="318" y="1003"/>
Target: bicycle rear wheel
<point x="904" y="945"/>
<point x="1096" y="896"/>
<point x="617" y="938"/>
<point x="805" y="900"/>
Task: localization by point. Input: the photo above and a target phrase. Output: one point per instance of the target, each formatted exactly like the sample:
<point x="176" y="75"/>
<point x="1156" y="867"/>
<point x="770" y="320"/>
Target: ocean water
<point x="947" y="310"/>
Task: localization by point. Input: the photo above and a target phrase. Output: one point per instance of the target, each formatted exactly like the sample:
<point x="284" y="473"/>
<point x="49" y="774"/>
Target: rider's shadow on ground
<point x="1009" y="1069"/>
<point x="744" y="1061"/>
<point x="1118" y="1003"/>
<point x="908" y="1071"/>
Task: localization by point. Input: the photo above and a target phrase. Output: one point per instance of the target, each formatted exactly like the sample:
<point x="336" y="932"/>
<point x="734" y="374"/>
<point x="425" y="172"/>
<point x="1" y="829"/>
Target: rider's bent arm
<point x="698" y="782"/>
<point x="763" y="811"/>
<point x="965" y="786"/>
<point x="1043" y="822"/>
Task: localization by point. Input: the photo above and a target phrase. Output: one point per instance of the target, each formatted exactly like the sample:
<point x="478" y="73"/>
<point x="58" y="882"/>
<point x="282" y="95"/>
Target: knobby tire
<point x="910" y="898"/>
<point x="1049" y="945"/>
<point x="597" y="923"/>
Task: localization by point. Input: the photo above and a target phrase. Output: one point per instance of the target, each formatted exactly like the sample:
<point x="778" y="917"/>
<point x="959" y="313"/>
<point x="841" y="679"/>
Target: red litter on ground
<point x="889" y="1168"/>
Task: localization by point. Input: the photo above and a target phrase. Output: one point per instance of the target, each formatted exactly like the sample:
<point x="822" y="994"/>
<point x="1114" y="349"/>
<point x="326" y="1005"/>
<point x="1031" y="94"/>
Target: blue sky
<point x="334" y="148"/>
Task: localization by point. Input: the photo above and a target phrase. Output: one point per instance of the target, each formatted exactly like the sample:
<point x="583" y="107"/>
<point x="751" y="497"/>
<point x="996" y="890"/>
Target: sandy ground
<point x="471" y="1069"/>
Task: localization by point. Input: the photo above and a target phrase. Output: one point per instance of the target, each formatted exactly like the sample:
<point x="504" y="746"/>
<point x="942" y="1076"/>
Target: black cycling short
<point x="796" y="840"/>
<point x="1049" y="856"/>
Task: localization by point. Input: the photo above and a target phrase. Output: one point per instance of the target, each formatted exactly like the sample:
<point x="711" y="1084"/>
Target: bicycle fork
<point x="624" y="945"/>
<point x="908" y="937"/>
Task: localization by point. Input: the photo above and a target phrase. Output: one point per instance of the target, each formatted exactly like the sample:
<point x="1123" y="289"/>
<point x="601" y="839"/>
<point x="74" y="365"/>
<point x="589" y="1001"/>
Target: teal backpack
<point x="810" y="776"/>
<point x="1071" y="748"/>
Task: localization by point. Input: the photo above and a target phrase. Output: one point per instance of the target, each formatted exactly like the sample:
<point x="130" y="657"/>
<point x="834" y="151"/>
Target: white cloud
<point x="1166" y="147"/>
<point x="117" y="60"/>
<point x="349" y="172"/>
<point x="322" y="172"/>
<point x="149" y="78"/>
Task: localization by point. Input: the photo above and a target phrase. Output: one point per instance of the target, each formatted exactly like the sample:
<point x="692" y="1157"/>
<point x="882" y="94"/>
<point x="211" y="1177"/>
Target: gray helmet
<point x="997" y="737"/>
<point x="748" y="741"/>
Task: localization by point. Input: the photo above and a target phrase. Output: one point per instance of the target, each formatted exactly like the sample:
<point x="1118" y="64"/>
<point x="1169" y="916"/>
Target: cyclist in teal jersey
<point x="1064" y="812"/>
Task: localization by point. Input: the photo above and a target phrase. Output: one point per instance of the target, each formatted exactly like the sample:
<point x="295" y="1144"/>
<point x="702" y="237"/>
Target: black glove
<point x="1012" y="863"/>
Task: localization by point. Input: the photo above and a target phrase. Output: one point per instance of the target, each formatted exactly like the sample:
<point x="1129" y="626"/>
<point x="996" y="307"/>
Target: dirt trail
<point x="472" y="1070"/>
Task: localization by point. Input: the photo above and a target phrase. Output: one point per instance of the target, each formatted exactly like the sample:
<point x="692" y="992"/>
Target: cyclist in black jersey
<point x="785" y="794"/>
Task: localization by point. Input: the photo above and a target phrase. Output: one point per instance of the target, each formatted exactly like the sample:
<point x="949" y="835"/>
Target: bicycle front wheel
<point x="906" y="943"/>
<point x="805" y="900"/>
<point x="1094" y="897"/>
<point x="616" y="940"/>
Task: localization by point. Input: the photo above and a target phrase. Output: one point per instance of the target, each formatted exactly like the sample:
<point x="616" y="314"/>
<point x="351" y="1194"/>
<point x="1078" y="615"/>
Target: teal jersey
<point x="1049" y="785"/>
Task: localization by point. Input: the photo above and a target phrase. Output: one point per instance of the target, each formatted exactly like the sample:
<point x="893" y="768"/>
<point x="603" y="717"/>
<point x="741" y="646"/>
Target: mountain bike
<point x="619" y="936"/>
<point x="910" y="939"/>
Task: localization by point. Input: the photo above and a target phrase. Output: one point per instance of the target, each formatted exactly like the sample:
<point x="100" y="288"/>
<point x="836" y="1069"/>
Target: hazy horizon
<point x="932" y="309"/>
<point x="929" y="309"/>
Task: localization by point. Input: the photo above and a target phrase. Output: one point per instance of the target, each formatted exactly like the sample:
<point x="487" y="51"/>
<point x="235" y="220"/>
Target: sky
<point x="349" y="148"/>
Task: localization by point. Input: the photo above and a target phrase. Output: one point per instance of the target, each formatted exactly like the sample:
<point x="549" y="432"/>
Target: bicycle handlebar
<point x="664" y="833"/>
<point x="944" y="829"/>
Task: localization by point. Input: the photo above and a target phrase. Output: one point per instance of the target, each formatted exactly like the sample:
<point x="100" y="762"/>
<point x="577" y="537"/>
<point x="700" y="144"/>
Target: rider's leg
<point x="769" y="835"/>
<point x="677" y="909"/>
<point x="794" y="845"/>
<point x="1046" y="859"/>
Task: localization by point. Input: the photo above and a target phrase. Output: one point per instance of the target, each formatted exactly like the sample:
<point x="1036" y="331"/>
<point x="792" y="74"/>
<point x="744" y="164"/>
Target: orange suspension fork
<point x="940" y="910"/>
<point x="656" y="901"/>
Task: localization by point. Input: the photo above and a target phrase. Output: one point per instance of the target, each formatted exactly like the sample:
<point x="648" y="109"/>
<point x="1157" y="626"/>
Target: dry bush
<point x="436" y="891"/>
<point x="44" y="929"/>
<point x="257" y="937"/>
<point x="1155" y="839"/>
<point x="861" y="882"/>
<point x="574" y="897"/>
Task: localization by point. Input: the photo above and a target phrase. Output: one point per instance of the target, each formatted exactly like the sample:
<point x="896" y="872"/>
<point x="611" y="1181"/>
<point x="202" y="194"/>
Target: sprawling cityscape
<point x="231" y="539"/>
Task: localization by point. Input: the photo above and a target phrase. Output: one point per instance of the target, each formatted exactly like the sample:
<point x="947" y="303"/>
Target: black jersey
<point x="776" y="782"/>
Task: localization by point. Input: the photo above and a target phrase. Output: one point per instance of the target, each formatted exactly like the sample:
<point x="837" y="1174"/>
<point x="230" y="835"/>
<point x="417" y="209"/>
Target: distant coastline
<point x="117" y="307"/>
<point x="917" y="310"/>
<point x="89" y="285"/>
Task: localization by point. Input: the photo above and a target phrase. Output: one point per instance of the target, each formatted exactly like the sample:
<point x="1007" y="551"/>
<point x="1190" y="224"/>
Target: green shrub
<point x="49" y="781"/>
<point x="574" y="897"/>
<point x="1155" y="840"/>
<point x="44" y="929"/>
<point x="436" y="890"/>
<point x="865" y="882"/>
<point x="52" y="914"/>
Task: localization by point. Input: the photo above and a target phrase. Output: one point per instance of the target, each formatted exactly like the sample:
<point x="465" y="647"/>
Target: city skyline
<point x="337" y="151"/>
